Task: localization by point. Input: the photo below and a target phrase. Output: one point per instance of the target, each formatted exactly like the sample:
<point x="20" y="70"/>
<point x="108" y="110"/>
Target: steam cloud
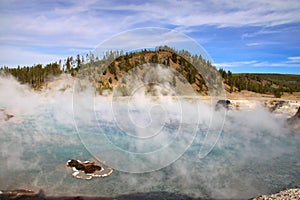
<point x="255" y="153"/>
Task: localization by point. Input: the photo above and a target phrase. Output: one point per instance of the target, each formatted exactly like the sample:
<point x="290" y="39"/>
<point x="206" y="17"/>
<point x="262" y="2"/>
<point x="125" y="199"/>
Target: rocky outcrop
<point x="20" y="194"/>
<point x="286" y="108"/>
<point x="222" y="104"/>
<point x="242" y="105"/>
<point x="5" y="115"/>
<point x="294" y="122"/>
<point x="277" y="105"/>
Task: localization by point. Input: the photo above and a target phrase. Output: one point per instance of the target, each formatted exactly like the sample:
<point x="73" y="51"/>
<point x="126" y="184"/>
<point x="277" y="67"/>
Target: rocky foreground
<point x="291" y="194"/>
<point x="294" y="121"/>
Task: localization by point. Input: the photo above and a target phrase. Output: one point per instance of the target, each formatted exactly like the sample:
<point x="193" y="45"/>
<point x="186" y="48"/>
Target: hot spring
<point x="253" y="155"/>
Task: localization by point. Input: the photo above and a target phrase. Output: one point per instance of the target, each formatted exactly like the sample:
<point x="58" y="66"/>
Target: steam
<point x="40" y="122"/>
<point x="255" y="153"/>
<point x="12" y="94"/>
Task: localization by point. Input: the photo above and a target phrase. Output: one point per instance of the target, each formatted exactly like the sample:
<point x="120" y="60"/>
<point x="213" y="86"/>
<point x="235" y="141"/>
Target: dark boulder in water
<point x="294" y="122"/>
<point x="90" y="169"/>
<point x="222" y="104"/>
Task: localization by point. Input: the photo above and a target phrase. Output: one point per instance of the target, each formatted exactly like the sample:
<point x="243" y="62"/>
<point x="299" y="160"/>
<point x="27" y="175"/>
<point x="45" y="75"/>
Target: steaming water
<point x="254" y="155"/>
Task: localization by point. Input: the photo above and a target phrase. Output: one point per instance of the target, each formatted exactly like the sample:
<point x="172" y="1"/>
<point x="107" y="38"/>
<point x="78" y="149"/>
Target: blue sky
<point x="240" y="36"/>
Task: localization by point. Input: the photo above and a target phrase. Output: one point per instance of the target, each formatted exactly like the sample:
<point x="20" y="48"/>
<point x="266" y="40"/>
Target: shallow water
<point x="251" y="157"/>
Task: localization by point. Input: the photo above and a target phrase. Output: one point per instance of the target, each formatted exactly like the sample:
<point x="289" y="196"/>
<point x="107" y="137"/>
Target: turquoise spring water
<point x="245" y="162"/>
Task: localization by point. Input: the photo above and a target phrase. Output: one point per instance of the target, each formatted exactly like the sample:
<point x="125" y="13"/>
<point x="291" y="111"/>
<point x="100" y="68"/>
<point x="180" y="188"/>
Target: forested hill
<point x="106" y="78"/>
<point x="262" y="83"/>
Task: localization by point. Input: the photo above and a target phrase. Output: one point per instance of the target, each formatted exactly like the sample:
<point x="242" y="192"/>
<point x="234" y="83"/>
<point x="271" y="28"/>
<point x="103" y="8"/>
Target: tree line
<point x="275" y="84"/>
<point x="38" y="75"/>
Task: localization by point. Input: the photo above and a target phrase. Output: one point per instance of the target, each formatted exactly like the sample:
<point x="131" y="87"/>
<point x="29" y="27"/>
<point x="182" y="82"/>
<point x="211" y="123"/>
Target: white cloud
<point x="294" y="59"/>
<point x="235" y="64"/>
<point x="259" y="33"/>
<point x="145" y="37"/>
<point x="276" y="64"/>
<point x="255" y="63"/>
<point x="74" y="24"/>
<point x="89" y="20"/>
<point x="250" y="44"/>
<point x="219" y="13"/>
<point x="14" y="56"/>
<point x="254" y="44"/>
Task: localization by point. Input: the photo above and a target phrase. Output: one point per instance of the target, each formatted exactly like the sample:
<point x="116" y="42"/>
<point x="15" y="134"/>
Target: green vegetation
<point x="262" y="83"/>
<point x="36" y="75"/>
